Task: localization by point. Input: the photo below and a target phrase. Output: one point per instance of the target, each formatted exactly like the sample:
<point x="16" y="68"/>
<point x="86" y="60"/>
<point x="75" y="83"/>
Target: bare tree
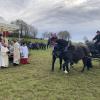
<point x="64" y="35"/>
<point x="33" y="31"/>
<point x="26" y="29"/>
<point x="46" y="35"/>
<point x="23" y="27"/>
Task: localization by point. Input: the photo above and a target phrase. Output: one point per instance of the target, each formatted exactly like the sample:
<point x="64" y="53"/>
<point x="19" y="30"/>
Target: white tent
<point x="5" y="26"/>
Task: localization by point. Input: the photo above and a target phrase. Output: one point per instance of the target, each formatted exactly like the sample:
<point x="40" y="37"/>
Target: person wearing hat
<point x="97" y="40"/>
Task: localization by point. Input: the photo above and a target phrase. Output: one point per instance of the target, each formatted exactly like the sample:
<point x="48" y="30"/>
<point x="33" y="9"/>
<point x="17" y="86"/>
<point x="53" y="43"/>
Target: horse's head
<point x="57" y="50"/>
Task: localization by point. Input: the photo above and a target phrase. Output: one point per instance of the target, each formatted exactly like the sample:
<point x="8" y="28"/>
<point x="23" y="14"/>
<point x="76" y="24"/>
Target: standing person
<point x="24" y="54"/>
<point x="11" y="50"/>
<point x="16" y="53"/>
<point x="48" y="43"/>
<point x="53" y="40"/>
<point x="0" y="51"/>
<point x="97" y="41"/>
<point x="4" y="55"/>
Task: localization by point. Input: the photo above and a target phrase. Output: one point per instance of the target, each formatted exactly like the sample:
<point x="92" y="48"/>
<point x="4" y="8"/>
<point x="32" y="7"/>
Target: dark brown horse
<point x="71" y="54"/>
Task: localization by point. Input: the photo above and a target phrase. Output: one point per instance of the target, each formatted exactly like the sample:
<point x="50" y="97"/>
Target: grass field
<point x="30" y="40"/>
<point x="35" y="81"/>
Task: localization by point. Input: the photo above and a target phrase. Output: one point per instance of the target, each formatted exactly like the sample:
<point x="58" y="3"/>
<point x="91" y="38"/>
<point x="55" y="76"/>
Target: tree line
<point x="25" y="30"/>
<point x="29" y="31"/>
<point x="61" y="35"/>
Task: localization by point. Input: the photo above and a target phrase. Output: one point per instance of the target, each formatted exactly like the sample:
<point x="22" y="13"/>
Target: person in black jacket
<point x="97" y="41"/>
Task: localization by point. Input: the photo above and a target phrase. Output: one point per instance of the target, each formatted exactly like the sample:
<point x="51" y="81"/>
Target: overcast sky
<point x="80" y="17"/>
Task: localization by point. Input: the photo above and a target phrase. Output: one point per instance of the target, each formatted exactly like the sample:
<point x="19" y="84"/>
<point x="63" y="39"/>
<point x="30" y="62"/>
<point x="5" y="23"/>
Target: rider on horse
<point x="53" y="39"/>
<point x="97" y="41"/>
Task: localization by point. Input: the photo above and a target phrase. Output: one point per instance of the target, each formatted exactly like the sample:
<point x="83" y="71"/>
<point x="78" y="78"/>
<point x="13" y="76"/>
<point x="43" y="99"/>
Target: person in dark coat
<point x="97" y="41"/>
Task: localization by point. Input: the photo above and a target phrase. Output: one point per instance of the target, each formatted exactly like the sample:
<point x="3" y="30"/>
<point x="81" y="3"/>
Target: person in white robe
<point x="4" y="56"/>
<point x="24" y="54"/>
<point x="0" y="51"/>
<point x="16" y="53"/>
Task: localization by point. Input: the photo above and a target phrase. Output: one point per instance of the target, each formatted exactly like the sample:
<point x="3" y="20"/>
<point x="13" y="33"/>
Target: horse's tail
<point x="87" y="56"/>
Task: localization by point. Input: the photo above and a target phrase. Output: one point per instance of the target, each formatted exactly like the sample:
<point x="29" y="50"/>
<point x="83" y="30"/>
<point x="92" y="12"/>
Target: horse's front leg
<point x="53" y="62"/>
<point x="60" y="60"/>
<point x="65" y="67"/>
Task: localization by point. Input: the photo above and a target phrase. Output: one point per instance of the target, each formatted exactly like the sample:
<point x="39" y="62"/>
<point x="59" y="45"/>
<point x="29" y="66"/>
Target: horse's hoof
<point x="66" y="72"/>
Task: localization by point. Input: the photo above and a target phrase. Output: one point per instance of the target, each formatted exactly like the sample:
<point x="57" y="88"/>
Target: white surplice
<point x="4" y="56"/>
<point x="24" y="52"/>
<point x="16" y="53"/>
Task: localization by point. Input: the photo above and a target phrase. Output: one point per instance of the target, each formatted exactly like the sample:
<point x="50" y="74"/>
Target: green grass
<point x="30" y="40"/>
<point x="35" y="81"/>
